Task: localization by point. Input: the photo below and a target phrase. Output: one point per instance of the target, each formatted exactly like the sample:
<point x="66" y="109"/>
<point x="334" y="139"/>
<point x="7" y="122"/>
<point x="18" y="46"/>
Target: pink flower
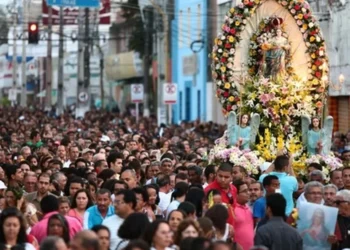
<point x="264" y="98"/>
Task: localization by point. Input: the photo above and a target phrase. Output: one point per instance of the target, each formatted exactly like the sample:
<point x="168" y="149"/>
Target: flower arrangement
<point x="245" y="158"/>
<point x="228" y="88"/>
<point x="328" y="162"/>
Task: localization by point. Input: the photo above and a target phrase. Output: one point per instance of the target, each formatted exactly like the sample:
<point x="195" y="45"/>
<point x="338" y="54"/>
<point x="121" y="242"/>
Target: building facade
<point x="190" y="59"/>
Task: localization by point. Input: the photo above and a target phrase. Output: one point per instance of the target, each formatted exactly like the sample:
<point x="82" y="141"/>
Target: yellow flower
<point x="227" y="85"/>
<point x="300" y="16"/>
<point x="280" y="143"/>
<point x="223" y="69"/>
<point x="231" y="39"/>
<point x="232" y="10"/>
<point x="315" y="82"/>
<point x="213" y="56"/>
<point x="314" y="67"/>
<point x="219" y="42"/>
<point x="237" y="23"/>
<point x="225" y="54"/>
<point x="284" y="112"/>
<point x="216" y="41"/>
<point x="312" y="39"/>
<point x="313" y="55"/>
<point x="231" y="99"/>
<point x="305" y="26"/>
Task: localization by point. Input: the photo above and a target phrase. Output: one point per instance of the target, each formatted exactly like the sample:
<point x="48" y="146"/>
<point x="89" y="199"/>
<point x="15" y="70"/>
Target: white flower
<point x="311" y="25"/>
<point x="318" y="39"/>
<point x="303" y="10"/>
<point x="219" y="83"/>
<point x="244" y="21"/>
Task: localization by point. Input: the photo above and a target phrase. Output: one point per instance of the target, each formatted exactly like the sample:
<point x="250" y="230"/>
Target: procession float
<point x="270" y="68"/>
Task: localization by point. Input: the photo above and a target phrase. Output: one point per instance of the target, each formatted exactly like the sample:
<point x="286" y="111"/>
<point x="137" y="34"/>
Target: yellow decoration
<point x="231" y="99"/>
<point x="227" y="85"/>
<point x="305" y="26"/>
<point x="223" y="69"/>
<point x="312" y="39"/>
<point x="231" y="39"/>
<point x="313" y="55"/>
<point x="280" y="143"/>
<point x="237" y="23"/>
<point x="300" y="16"/>
<point x="232" y="10"/>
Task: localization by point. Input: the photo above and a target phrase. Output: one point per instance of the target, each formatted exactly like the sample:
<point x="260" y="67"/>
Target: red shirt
<point x="225" y="196"/>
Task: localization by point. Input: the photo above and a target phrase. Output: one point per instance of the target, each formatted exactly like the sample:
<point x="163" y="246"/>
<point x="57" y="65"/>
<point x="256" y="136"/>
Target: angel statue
<point x="275" y="49"/>
<point x="316" y="139"/>
<point x="243" y="134"/>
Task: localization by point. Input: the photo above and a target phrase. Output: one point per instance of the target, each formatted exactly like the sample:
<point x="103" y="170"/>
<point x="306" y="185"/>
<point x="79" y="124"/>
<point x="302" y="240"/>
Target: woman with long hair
<point x="14" y="198"/>
<point x="158" y="235"/>
<point x="174" y="219"/>
<point x="81" y="201"/>
<point x="57" y="225"/>
<point x="153" y="200"/>
<point x="13" y="230"/>
<point x="187" y="228"/>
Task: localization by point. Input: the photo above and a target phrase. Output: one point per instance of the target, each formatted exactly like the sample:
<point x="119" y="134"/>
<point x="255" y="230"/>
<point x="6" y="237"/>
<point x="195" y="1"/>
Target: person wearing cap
<point x="87" y="154"/>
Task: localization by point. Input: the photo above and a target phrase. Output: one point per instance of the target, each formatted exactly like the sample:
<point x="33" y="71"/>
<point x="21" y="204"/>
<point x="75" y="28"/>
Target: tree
<point x="133" y="23"/>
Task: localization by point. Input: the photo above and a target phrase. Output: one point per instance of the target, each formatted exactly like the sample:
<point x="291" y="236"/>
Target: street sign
<point x="170" y="93"/>
<point x="12" y="95"/>
<point x="137" y="93"/>
<point x="83" y="97"/>
<point x="75" y="3"/>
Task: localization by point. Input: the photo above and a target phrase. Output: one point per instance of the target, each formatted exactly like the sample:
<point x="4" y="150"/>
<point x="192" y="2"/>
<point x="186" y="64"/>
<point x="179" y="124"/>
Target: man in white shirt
<point x="163" y="181"/>
<point x="124" y="205"/>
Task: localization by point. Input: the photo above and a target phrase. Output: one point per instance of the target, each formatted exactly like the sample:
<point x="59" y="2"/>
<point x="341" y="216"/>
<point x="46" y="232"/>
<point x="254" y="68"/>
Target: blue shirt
<point x="259" y="208"/>
<point x="288" y="184"/>
<point x="93" y="217"/>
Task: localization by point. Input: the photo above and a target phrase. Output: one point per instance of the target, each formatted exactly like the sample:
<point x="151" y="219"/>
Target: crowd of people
<point x="105" y="182"/>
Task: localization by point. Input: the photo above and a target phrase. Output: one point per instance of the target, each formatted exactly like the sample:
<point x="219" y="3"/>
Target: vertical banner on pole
<point x="170" y="98"/>
<point x="137" y="94"/>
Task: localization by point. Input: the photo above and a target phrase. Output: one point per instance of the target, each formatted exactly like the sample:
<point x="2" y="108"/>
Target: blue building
<point x="190" y="59"/>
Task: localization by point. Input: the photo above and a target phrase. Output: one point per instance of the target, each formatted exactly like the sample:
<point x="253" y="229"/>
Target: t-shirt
<point x="288" y="184"/>
<point x="259" y="208"/>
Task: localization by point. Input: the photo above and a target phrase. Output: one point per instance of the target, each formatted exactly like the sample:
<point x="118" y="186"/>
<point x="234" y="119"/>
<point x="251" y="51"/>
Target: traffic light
<point x="33" y="33"/>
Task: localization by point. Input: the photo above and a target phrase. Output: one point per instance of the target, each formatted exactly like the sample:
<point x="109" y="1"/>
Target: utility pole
<point x="14" y="55"/>
<point x="146" y="111"/>
<point x="80" y="65"/>
<point x="48" y="100"/>
<point x="87" y="51"/>
<point x="24" y="54"/>
<point x="60" y="67"/>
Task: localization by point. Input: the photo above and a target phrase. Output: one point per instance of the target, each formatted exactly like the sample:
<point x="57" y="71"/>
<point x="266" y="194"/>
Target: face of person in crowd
<point x="346" y="178"/>
<point x="315" y="195"/>
<point x="61" y="152"/>
<point x="19" y="175"/>
<point x="63" y="208"/>
<point x="317" y="178"/>
<point x="26" y="152"/>
<point x="43" y="185"/>
<point x="118" y="187"/>
<point x="34" y="162"/>
<point x="62" y="181"/>
<point x="243" y="194"/>
<point x="88" y="156"/>
<point x="129" y="178"/>
<point x="73" y="188"/>
<point x="140" y="203"/>
<point x="133" y="145"/>
<point x="30" y="183"/>
<point x="10" y="199"/>
<point x="343" y="206"/>
<point x="271" y="189"/>
<point x="121" y="208"/>
<point x="162" y="237"/>
<point x="255" y="191"/>
<point x="175" y="219"/>
<point x="329" y="196"/>
<point x="117" y="165"/>
<point x="25" y="168"/>
<point x="190" y="231"/>
<point x="194" y="177"/>
<point x="337" y="179"/>
<point x="172" y="181"/>
<point x="152" y="194"/>
<point x="103" y="202"/>
<point x="346" y="156"/>
<point x="104" y="239"/>
<point x="154" y="170"/>
<point x="224" y="179"/>
<point x="166" y="167"/>
<point x="55" y="228"/>
<point x="11" y="227"/>
<point x="2" y="173"/>
<point x="82" y="201"/>
<point x="237" y="174"/>
<point x="74" y="153"/>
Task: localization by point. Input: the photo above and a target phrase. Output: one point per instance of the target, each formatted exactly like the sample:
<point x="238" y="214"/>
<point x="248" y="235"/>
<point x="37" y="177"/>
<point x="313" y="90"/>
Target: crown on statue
<point x="277" y="22"/>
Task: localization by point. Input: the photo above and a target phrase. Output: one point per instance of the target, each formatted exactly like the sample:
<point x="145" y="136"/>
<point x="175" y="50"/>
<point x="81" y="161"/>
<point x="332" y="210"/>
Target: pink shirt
<point x="39" y="230"/>
<point x="244" y="226"/>
<point x="76" y="215"/>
